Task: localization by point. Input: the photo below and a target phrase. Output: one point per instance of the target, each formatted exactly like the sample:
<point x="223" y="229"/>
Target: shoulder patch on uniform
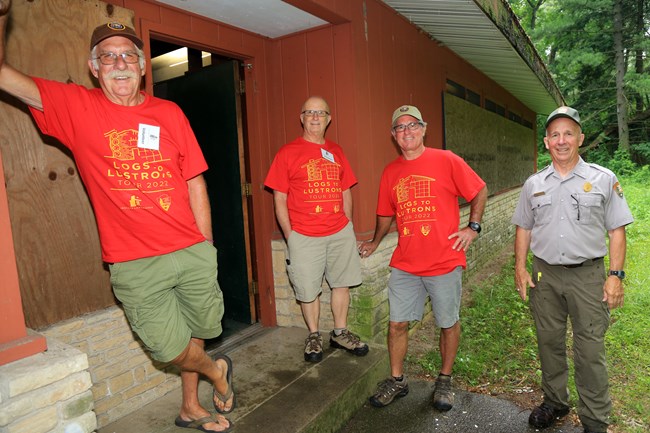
<point x="618" y="189"/>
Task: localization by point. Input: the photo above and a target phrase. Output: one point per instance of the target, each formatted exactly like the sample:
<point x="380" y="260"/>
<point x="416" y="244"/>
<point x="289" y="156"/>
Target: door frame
<point x="259" y="301"/>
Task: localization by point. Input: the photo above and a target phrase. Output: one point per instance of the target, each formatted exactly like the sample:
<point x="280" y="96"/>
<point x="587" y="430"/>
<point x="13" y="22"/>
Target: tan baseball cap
<point x="407" y="110"/>
<point x="114" y="29"/>
<point x="564" y="111"/>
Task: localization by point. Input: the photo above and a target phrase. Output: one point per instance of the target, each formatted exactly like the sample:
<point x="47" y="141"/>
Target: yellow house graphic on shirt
<point x="420" y="186"/>
<point x="124" y="147"/>
<point x="321" y="169"/>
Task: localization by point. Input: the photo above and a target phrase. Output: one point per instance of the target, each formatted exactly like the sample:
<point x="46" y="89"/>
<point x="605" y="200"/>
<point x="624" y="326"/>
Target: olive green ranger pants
<point x="563" y="292"/>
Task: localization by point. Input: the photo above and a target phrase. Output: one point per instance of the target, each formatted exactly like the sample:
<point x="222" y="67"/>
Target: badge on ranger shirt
<point x="327" y="155"/>
<point x="149" y="137"/>
<point x="586" y="187"/>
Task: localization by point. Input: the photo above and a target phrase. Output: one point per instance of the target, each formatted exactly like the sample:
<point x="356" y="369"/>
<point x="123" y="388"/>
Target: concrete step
<point x="277" y="391"/>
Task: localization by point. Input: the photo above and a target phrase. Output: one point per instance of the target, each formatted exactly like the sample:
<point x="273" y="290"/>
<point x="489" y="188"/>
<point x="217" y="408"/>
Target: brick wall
<point x="368" y="314"/>
<point x="124" y="377"/>
<point x="47" y="392"/>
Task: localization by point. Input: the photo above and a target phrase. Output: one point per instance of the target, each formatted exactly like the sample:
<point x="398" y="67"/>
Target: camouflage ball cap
<point x="111" y="29"/>
<point x="564" y="111"/>
<point x="407" y="110"/>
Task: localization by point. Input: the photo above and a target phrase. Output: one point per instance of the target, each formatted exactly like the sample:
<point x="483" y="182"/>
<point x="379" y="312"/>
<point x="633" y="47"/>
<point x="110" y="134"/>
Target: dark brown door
<point x="210" y="99"/>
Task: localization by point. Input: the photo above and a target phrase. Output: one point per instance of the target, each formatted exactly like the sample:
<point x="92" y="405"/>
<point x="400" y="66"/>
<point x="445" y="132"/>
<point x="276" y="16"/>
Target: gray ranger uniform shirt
<point x="569" y="217"/>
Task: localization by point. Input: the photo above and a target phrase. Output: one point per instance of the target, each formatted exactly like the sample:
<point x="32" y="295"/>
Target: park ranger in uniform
<point x="563" y="216"/>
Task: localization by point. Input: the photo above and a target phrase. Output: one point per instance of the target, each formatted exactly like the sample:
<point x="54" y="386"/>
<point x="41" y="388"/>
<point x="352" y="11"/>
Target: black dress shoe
<point x="593" y="431"/>
<point x="544" y="416"/>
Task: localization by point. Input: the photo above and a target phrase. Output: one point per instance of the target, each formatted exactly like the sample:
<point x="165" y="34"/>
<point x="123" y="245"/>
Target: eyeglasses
<point x="412" y="126"/>
<point x="111" y="58"/>
<point x="314" y="113"/>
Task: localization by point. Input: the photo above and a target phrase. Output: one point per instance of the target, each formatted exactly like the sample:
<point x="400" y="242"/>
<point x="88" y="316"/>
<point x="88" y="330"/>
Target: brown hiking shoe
<point x="388" y="390"/>
<point x="443" y="397"/>
<point x="348" y="341"/>
<point x="314" y="347"/>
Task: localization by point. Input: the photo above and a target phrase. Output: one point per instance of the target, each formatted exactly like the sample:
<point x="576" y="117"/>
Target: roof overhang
<point x="487" y="34"/>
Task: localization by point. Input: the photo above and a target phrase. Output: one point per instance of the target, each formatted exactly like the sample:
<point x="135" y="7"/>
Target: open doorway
<point x="207" y="87"/>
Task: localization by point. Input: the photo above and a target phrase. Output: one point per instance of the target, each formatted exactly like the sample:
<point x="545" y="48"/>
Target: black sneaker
<point x="544" y="416"/>
<point x="388" y="390"/>
<point x="443" y="397"/>
<point x="348" y="341"/>
<point x="314" y="347"/>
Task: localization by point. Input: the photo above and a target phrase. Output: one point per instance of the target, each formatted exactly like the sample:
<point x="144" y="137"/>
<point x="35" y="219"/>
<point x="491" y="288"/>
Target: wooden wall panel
<point x="55" y="235"/>
<point x="320" y="69"/>
<point x="347" y="117"/>
<point x="294" y="74"/>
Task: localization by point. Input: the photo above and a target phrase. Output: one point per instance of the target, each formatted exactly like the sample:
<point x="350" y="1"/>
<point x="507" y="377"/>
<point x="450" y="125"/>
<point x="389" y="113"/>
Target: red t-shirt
<point x="313" y="176"/>
<point x="423" y="194"/>
<point x="139" y="193"/>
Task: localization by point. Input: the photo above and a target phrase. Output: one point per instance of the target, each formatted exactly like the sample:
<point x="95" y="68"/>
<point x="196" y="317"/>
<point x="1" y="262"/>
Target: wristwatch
<point x="619" y="274"/>
<point x="474" y="226"/>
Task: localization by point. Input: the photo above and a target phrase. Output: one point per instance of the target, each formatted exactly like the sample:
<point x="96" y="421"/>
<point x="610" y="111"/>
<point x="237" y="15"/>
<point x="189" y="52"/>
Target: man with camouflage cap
<point x="420" y="189"/>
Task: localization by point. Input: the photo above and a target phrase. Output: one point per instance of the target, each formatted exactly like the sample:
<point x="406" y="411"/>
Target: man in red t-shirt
<point x="311" y="180"/>
<point x="141" y="166"/>
<point x="420" y="189"/>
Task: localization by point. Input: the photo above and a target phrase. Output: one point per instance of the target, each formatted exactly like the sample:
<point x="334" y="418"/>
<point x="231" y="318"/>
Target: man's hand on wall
<point x="5" y="5"/>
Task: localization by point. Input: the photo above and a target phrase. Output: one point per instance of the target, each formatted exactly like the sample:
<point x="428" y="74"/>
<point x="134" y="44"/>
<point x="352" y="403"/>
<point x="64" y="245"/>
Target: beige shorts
<point x="310" y="258"/>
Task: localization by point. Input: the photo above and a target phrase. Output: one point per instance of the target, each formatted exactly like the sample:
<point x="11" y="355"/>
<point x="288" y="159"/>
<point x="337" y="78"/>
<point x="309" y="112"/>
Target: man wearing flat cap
<point x="157" y="243"/>
<point x="420" y="190"/>
<point x="564" y="215"/>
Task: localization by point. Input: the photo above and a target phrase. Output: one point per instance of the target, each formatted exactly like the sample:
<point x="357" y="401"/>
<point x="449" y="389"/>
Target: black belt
<point x="587" y="262"/>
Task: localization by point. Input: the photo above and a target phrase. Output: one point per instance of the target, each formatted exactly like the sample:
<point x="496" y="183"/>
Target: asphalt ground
<point x="471" y="413"/>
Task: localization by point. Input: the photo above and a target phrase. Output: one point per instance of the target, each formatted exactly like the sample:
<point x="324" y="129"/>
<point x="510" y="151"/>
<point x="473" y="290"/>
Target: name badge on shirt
<point x="327" y="155"/>
<point x="149" y="137"/>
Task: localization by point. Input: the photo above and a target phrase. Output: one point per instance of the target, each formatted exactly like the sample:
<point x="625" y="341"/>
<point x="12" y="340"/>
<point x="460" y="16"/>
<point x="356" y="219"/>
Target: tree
<point x="590" y="55"/>
<point x="527" y="9"/>
<point x="621" y="102"/>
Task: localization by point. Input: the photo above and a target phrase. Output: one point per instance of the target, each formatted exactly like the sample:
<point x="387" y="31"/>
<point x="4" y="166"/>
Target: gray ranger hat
<point x="564" y="111"/>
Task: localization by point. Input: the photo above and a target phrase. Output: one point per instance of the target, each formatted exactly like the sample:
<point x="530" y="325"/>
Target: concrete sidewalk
<point x="278" y="392"/>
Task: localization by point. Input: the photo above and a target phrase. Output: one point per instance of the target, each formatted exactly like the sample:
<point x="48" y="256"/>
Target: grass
<point x="498" y="351"/>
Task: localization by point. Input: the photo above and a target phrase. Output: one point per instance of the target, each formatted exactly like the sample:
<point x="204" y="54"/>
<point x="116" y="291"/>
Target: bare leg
<point x="311" y="314"/>
<point x="340" y="303"/>
<point x="192" y="362"/>
<point x="449" y="340"/>
<point x="398" y="342"/>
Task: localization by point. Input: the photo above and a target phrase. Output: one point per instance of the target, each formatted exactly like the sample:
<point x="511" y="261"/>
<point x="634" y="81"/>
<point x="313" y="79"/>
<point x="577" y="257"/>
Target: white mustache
<point x="121" y="74"/>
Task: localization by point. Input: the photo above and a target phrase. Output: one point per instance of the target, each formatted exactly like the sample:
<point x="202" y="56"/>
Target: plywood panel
<point x="55" y="236"/>
<point x="502" y="152"/>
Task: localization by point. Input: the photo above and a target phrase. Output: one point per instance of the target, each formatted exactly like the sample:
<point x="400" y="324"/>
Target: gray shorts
<point x="335" y="256"/>
<point x="407" y="296"/>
